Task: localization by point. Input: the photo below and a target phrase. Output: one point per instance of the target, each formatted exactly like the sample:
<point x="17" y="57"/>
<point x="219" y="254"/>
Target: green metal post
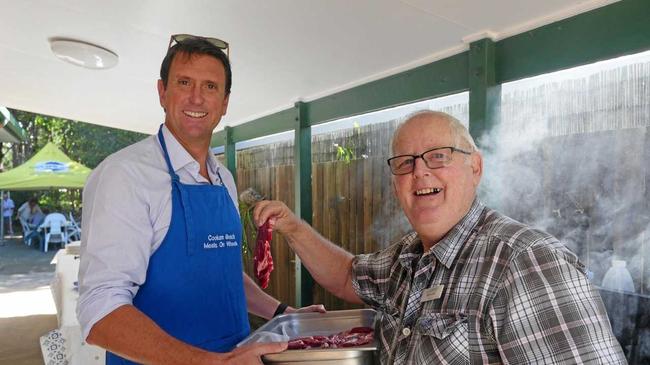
<point x="231" y="157"/>
<point x="482" y="90"/>
<point x="484" y="97"/>
<point x="303" y="208"/>
<point x="218" y="139"/>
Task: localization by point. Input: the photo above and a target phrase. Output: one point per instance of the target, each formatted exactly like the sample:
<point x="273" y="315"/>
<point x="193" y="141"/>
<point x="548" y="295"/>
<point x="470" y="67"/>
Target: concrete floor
<point x="27" y="310"/>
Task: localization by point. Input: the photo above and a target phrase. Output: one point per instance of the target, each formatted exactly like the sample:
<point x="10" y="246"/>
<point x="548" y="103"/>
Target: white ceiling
<point x="282" y="50"/>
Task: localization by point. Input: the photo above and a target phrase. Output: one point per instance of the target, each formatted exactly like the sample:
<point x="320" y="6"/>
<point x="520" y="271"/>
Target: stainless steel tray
<point x="307" y="324"/>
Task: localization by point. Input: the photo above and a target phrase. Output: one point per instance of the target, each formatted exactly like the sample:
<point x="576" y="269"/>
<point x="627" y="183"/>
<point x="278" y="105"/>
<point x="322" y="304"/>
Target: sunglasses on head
<point x="177" y="38"/>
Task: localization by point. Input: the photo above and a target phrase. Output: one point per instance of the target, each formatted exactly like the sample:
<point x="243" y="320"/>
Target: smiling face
<point x="434" y="200"/>
<point x="194" y="99"/>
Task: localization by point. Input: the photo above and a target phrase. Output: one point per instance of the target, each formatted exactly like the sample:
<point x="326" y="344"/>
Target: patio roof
<point x="282" y="51"/>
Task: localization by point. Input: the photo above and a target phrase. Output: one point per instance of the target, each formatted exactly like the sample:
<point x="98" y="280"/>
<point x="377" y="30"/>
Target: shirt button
<point x="406" y="331"/>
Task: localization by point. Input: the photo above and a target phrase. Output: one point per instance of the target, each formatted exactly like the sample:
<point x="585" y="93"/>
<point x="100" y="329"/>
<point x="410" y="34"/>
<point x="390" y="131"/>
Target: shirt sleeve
<point x="116" y="243"/>
<point x="547" y="311"/>
<point x="371" y="275"/>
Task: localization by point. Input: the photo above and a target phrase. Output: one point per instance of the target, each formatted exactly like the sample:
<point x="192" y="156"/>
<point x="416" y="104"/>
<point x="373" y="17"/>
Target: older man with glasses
<point x="468" y="285"/>
<point x="161" y="278"/>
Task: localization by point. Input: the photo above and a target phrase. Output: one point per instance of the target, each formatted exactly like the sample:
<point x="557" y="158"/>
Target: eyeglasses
<point x="434" y="158"/>
<point x="177" y="38"/>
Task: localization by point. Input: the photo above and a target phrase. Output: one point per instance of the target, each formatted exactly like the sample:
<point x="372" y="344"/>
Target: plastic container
<point x="618" y="277"/>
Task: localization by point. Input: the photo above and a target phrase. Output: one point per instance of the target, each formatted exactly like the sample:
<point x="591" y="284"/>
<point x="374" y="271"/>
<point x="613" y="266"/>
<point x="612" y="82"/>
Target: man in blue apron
<point x="161" y="278"/>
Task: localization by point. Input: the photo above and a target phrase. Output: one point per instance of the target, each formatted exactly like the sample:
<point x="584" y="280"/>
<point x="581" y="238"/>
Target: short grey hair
<point x="460" y="134"/>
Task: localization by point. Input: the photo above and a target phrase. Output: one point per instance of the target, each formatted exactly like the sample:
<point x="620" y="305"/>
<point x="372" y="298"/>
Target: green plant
<point x="249" y="230"/>
<point x="345" y="153"/>
<point x="247" y="199"/>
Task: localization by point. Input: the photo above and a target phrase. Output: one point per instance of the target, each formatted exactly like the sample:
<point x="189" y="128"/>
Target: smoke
<point x="586" y="187"/>
<point x="390" y="225"/>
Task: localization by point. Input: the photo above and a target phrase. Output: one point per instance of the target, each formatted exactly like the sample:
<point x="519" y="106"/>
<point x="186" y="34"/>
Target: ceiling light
<point x="83" y="54"/>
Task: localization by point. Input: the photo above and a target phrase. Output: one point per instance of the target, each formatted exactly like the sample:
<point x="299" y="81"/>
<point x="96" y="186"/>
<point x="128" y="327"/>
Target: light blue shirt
<point x="7" y="207"/>
<point x="126" y="214"/>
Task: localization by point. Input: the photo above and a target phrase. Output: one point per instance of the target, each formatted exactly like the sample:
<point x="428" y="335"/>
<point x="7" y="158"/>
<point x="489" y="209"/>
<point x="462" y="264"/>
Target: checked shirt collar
<point x="448" y="247"/>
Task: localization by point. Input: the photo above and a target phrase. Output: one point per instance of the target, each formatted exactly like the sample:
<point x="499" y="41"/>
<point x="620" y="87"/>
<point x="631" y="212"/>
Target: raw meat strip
<point x="356" y="336"/>
<point x="263" y="261"/>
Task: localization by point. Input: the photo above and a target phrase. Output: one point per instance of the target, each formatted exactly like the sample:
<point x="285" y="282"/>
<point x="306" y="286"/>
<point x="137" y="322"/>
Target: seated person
<point x="24" y="211"/>
<point x="36" y="218"/>
<point x="34" y="221"/>
<point x="27" y="210"/>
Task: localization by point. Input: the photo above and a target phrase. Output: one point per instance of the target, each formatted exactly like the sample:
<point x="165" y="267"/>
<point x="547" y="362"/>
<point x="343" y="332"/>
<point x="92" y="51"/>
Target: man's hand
<point x="318" y="308"/>
<point x="251" y="354"/>
<point x="329" y="264"/>
<point x="280" y="217"/>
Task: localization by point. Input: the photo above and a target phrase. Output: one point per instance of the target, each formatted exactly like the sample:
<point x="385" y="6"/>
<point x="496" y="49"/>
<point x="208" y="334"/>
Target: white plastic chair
<point x="54" y="226"/>
<point x="26" y="231"/>
<point x="73" y="230"/>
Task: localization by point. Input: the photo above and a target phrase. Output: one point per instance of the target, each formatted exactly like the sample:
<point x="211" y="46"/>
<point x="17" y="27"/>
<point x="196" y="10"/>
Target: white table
<point x="78" y="352"/>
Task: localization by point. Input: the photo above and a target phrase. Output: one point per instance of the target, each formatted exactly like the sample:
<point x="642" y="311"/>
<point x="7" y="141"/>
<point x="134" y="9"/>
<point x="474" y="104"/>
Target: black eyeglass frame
<point x="221" y="44"/>
<point x="415" y="157"/>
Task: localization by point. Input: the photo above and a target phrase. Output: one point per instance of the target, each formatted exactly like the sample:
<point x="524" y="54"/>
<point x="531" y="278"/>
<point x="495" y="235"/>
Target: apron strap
<point x="176" y="184"/>
<point x="170" y="169"/>
<point x="220" y="179"/>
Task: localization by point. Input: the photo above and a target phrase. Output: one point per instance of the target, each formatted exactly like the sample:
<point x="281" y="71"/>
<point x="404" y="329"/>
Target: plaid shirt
<point x="491" y="291"/>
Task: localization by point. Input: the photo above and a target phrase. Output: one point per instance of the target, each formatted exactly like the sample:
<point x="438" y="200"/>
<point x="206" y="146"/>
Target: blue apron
<point x="194" y="288"/>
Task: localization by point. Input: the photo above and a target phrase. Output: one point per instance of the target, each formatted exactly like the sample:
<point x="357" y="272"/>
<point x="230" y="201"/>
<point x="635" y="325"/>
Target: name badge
<point x="432" y="293"/>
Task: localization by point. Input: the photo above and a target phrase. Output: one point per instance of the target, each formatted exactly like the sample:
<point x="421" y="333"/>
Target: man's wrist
<point x="292" y="225"/>
<point x="282" y="307"/>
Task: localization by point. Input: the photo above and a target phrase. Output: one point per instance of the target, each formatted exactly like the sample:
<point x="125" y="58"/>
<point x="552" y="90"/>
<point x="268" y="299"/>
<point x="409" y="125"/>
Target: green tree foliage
<point x="86" y="143"/>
